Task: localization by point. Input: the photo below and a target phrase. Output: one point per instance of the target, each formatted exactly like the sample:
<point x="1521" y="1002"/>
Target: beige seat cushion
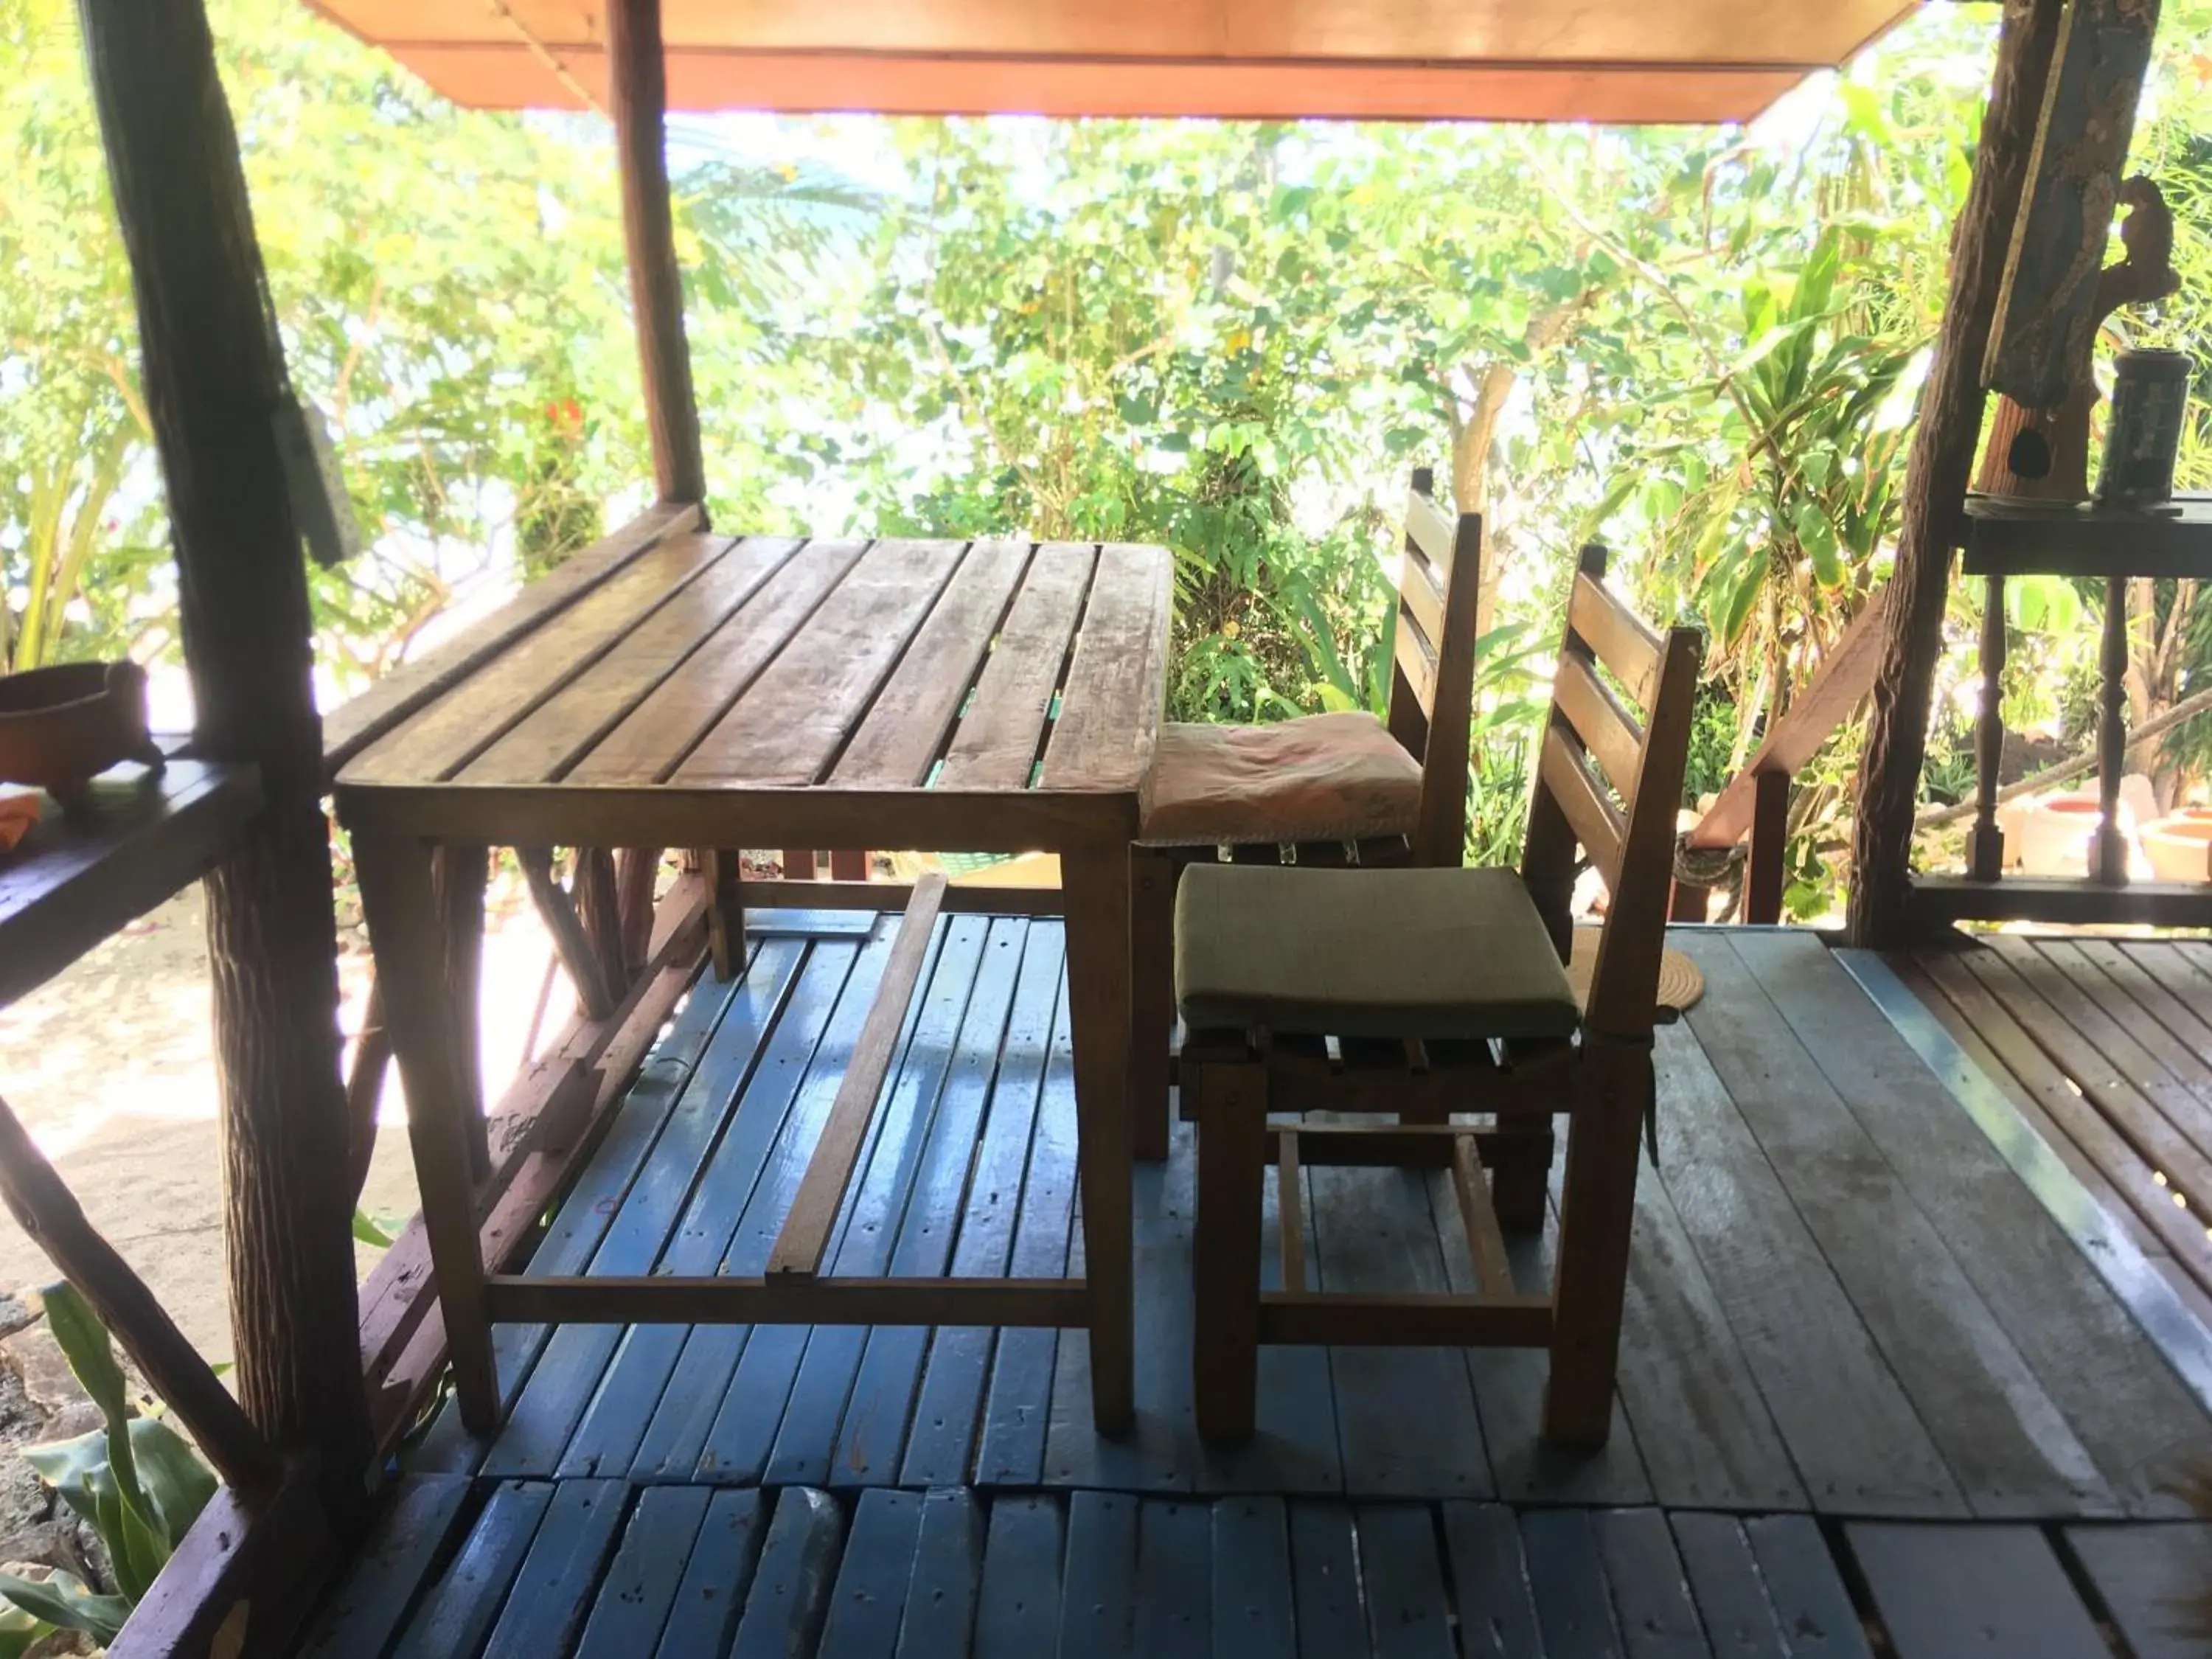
<point x="1325" y="777"/>
<point x="1387" y="953"/>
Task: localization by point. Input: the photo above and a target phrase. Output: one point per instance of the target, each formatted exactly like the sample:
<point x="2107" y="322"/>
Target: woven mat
<point x="1681" y="984"/>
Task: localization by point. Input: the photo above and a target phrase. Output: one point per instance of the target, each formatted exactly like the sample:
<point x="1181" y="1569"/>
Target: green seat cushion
<point x="1382" y="953"/>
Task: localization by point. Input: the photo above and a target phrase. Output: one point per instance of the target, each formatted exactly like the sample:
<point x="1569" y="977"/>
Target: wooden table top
<point x="681" y="664"/>
<point x="2005" y="537"/>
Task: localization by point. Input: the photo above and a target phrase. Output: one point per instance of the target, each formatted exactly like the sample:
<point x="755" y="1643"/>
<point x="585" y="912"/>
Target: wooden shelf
<point x="1938" y="900"/>
<point x="76" y="879"/>
<point x="2019" y="539"/>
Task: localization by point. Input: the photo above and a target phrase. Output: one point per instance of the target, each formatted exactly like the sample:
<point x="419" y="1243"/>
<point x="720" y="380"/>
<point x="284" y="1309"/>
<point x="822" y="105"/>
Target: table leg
<point x="462" y="873"/>
<point x="2110" y="862"/>
<point x="1096" y="881"/>
<point x="399" y="901"/>
<point x="1985" y="854"/>
<point x="726" y="911"/>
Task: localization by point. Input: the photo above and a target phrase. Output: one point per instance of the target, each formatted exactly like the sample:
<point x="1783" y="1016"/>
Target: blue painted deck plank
<point x="783" y="1615"/>
<point x="948" y="1563"/>
<point x="638" y="1389"/>
<point x="1099" y="1595"/>
<point x="756" y="1394"/>
<point x="574" y="1359"/>
<point x="1325" y="1572"/>
<point x="553" y="1590"/>
<point x="452" y="1624"/>
<point x="717" y="1579"/>
<point x="1254" y="1607"/>
<point x="1567" y="1580"/>
<point x="1407" y="1615"/>
<point x="387" y="1577"/>
<point x="1651" y="1600"/>
<point x="947" y="1411"/>
<point x="871" y="1433"/>
<point x="1725" y="1581"/>
<point x="867" y="1604"/>
<point x="582" y="1221"/>
<point x="1175" y="1579"/>
<point x="1810" y="1599"/>
<point x="640" y="1588"/>
<point x="1017" y="1403"/>
<point x="1490" y="1581"/>
<point x="907" y="1127"/>
<point x="1018" y="1607"/>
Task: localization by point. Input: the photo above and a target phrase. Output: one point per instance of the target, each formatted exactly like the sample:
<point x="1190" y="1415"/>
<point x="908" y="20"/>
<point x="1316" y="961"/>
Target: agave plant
<point x="134" y="1480"/>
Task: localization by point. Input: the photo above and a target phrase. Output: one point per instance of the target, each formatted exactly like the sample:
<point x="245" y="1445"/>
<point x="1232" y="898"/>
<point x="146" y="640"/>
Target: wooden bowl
<point x="60" y="727"/>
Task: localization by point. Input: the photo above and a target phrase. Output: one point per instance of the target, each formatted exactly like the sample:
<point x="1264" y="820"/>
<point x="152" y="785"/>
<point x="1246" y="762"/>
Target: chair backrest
<point x="1597" y="747"/>
<point x="1432" y="681"/>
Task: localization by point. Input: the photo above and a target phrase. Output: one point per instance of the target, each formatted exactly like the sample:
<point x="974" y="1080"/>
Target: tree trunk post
<point x="1936" y="475"/>
<point x="638" y="80"/>
<point x="215" y="383"/>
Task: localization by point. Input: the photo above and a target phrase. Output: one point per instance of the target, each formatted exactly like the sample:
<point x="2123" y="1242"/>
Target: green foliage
<point x="135" y="1481"/>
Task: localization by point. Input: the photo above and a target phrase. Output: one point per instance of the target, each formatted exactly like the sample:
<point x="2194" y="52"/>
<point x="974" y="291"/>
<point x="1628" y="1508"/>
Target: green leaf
<point x="64" y="1602"/>
<point x="177" y="1481"/>
<point x="366" y="1232"/>
<point x="1817" y="536"/>
<point x="19" y="1631"/>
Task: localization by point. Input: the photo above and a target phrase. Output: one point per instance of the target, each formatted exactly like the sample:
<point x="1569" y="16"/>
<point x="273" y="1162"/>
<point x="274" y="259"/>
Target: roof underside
<point x="1513" y="60"/>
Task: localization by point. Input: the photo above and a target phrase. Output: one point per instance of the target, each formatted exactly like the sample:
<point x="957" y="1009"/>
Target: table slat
<point x="445" y="737"/>
<point x="1109" y="720"/>
<point x="997" y="744"/>
<point x="553" y="736"/>
<point x="789" y="726"/>
<point x="656" y="736"/>
<point x="903" y="731"/>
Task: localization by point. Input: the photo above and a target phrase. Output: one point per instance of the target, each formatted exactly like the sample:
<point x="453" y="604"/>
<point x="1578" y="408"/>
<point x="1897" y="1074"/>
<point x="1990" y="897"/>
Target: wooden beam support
<point x="216" y="387"/>
<point x="637" y="79"/>
<point x="1766" y="870"/>
<point x="48" y="1212"/>
<point x="1936" y="475"/>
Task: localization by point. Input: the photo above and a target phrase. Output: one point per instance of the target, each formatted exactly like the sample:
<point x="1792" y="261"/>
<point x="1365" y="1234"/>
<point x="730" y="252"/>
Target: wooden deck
<point x="1851" y="1320"/>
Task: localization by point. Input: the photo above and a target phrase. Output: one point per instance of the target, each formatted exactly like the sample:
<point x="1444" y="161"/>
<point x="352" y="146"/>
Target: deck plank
<point x="2154" y="1582"/>
<point x="1854" y="1437"/>
<point x="875" y="1208"/>
<point x="1566" y="1578"/>
<point x="1490" y="1582"/>
<point x="2009" y="1445"/>
<point x="1099" y="1602"/>
<point x="948" y="1563"/>
<point x="1731" y="1597"/>
<point x="640" y="1589"/>
<point x="718" y="1577"/>
<point x="1325" y="1571"/>
<point x="2143" y="969"/>
<point x="948" y="1396"/>
<point x="1018" y="1607"/>
<point x="553" y="1588"/>
<point x="2106" y="979"/>
<point x="1810" y="1598"/>
<point x="469" y="1595"/>
<point x="790" y="1595"/>
<point x="867" y="1604"/>
<point x="381" y="1588"/>
<point x="1255" y="1605"/>
<point x="1175" y="1579"/>
<point x="1651" y="1600"/>
<point x="2128" y="1410"/>
<point x="1408" y="1615"/>
<point x="1962" y="1592"/>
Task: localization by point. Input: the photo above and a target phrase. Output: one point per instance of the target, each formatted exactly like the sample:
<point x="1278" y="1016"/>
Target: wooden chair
<point x="1338" y="788"/>
<point x="1444" y="992"/>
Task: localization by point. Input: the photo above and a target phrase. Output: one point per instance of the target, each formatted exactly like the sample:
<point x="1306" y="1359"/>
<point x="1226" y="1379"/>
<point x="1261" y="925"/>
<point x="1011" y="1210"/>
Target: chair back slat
<point x="1616" y="636"/>
<point x="1600" y="825"/>
<point x="1614" y="737"/>
<point x="1433" y="698"/>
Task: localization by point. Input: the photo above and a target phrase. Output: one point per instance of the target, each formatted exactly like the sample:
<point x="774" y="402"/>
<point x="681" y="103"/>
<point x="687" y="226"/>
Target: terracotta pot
<point x="2054" y="836"/>
<point x="2180" y="847"/>
<point x="60" y="727"/>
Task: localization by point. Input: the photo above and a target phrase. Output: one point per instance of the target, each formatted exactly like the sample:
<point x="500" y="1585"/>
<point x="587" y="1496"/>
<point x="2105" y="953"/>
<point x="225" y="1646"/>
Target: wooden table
<point x="696" y="691"/>
<point x="2005" y="538"/>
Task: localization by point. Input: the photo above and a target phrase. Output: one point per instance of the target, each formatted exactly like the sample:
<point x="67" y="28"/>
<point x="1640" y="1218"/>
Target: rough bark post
<point x="638" y="81"/>
<point x="214" y="381"/>
<point x="1936" y="475"/>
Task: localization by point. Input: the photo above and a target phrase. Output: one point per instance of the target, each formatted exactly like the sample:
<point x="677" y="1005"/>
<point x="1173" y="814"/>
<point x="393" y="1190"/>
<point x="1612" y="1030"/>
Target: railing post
<point x="1769" y="861"/>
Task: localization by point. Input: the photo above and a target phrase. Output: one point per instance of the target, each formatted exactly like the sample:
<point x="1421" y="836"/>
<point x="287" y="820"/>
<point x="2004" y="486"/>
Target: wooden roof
<point x="1520" y="60"/>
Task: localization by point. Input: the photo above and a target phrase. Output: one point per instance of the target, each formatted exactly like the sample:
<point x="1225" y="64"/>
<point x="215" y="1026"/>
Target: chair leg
<point x="1232" y="1160"/>
<point x="1520" y="1163"/>
<point x="1152" y="997"/>
<point x="1597" y="1214"/>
